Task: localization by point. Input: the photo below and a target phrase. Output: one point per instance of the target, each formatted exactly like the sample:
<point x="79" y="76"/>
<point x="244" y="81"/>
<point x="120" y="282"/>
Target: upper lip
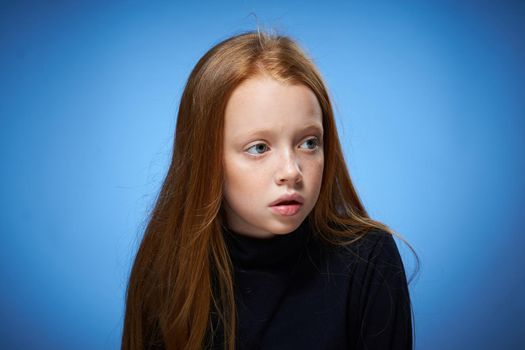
<point x="289" y="197"/>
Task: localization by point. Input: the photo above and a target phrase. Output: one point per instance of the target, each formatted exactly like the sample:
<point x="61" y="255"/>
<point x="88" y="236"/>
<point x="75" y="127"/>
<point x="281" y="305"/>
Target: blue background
<point x="429" y="100"/>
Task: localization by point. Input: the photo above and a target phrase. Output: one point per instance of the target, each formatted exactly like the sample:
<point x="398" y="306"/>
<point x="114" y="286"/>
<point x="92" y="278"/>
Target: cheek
<point x="243" y="182"/>
<point x="315" y="172"/>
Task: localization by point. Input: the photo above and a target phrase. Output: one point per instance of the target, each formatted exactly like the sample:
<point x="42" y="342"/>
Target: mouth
<point x="286" y="203"/>
<point x="286" y="208"/>
<point x="288" y="199"/>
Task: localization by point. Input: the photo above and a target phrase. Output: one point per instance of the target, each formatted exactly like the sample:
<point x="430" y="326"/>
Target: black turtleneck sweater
<point x="294" y="291"/>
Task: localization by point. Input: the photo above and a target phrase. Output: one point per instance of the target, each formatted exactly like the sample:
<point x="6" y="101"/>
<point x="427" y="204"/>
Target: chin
<point x="286" y="228"/>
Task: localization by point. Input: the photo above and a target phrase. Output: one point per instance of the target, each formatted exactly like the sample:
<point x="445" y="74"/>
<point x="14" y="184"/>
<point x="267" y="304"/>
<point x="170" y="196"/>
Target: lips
<point x="287" y="205"/>
<point x="288" y="199"/>
<point x="286" y="210"/>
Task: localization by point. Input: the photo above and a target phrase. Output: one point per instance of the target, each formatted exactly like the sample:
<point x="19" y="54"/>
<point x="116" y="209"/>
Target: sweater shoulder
<point x="374" y="249"/>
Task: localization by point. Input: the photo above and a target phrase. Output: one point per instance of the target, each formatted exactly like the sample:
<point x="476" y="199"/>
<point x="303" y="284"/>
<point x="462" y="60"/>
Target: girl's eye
<point x="312" y="143"/>
<point x="258" y="147"/>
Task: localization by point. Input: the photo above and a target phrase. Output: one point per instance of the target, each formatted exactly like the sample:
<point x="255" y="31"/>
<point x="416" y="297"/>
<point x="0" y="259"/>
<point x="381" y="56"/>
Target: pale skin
<point x="273" y="145"/>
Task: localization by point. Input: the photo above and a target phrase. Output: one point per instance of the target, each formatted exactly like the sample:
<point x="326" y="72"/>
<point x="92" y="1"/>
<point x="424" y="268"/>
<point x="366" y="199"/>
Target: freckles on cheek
<point x="316" y="171"/>
<point x="315" y="167"/>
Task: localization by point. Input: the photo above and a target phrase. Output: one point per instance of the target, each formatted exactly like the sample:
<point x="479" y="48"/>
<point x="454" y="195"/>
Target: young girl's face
<point x="273" y="146"/>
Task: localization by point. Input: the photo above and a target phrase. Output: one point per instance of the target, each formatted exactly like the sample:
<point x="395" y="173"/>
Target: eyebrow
<point x="308" y="127"/>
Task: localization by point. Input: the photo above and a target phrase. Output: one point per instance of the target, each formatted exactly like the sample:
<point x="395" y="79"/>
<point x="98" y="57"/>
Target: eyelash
<point x="261" y="143"/>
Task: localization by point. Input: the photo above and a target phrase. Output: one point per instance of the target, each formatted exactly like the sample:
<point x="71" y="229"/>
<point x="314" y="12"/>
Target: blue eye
<point x="258" y="147"/>
<point x="314" y="142"/>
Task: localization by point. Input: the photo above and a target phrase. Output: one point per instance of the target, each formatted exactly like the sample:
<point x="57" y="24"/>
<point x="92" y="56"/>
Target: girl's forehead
<point x="265" y="103"/>
<point x="261" y="90"/>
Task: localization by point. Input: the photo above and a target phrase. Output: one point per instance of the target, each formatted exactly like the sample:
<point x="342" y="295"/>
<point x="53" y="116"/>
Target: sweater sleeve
<point x="380" y="308"/>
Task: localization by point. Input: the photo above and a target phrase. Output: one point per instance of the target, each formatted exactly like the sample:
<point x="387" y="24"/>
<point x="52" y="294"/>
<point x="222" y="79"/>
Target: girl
<point x="258" y="239"/>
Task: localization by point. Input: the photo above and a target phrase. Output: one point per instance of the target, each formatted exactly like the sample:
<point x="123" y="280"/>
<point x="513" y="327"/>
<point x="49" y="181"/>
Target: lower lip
<point x="286" y="210"/>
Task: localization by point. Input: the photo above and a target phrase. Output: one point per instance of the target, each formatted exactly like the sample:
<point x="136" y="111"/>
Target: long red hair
<point x="182" y="273"/>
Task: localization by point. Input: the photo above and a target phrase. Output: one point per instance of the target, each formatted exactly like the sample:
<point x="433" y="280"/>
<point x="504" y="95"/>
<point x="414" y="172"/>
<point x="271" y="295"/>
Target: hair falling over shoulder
<point x="180" y="290"/>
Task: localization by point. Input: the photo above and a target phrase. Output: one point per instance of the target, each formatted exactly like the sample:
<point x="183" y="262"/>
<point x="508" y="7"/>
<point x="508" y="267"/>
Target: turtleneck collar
<point x="248" y="252"/>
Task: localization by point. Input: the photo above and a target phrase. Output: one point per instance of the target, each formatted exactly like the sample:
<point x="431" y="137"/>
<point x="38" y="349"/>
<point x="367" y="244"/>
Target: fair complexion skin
<point x="273" y="145"/>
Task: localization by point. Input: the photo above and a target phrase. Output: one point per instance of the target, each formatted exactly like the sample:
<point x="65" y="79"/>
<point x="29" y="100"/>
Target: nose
<point x="288" y="169"/>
